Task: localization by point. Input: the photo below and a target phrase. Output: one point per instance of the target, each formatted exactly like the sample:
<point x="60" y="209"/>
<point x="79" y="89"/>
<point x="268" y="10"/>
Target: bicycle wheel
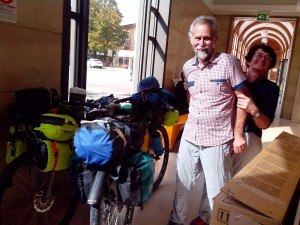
<point x="161" y="162"/>
<point x="111" y="211"/>
<point x="23" y="191"/>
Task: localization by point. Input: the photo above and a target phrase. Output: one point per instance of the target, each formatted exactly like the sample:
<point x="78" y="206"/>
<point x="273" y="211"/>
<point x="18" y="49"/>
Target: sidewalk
<point x="109" y="80"/>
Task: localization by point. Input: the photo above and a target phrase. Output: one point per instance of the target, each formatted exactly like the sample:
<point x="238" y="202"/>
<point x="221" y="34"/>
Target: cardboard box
<point x="261" y="192"/>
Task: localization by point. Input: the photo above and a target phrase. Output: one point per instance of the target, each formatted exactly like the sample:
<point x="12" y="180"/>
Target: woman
<point x="261" y="106"/>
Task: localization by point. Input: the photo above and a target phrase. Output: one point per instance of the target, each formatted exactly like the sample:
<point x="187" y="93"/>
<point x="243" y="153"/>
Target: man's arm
<point x="239" y="143"/>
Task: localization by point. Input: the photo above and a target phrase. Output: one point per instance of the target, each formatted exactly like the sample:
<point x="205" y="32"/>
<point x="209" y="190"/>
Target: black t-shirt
<point x="265" y="95"/>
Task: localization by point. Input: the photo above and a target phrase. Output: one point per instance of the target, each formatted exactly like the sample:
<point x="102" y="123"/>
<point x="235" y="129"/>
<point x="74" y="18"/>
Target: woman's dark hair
<point x="265" y="48"/>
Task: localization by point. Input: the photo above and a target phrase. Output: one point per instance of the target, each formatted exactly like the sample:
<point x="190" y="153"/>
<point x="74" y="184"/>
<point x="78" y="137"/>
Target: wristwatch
<point x="257" y="115"/>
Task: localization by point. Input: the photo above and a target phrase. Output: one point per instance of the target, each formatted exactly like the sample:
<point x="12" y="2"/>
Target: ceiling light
<point x="264" y="40"/>
<point x="264" y="33"/>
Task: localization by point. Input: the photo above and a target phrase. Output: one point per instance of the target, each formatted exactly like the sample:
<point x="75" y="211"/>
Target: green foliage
<point x="105" y="31"/>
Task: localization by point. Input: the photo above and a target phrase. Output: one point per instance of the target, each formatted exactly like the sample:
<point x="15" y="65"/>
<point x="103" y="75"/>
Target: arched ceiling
<point x="252" y="7"/>
<point x="248" y="31"/>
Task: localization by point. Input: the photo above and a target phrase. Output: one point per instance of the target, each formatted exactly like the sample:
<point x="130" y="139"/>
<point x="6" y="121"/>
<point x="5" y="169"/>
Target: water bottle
<point x="157" y="143"/>
<point x="96" y="189"/>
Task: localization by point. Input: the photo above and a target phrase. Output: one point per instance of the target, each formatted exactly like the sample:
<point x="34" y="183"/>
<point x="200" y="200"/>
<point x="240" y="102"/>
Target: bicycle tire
<point x="70" y="211"/>
<point x="110" y="211"/>
<point x="22" y="188"/>
<point x="161" y="162"/>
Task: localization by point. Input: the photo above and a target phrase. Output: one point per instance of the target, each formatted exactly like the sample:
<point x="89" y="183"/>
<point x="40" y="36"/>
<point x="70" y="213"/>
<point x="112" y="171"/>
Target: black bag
<point x="35" y="101"/>
<point x="137" y="132"/>
<point x="148" y="106"/>
<point x="82" y="176"/>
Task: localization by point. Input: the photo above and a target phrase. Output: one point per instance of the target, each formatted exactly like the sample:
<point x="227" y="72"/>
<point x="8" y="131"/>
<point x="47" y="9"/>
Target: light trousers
<point x="254" y="146"/>
<point x="238" y="161"/>
<point x="192" y="160"/>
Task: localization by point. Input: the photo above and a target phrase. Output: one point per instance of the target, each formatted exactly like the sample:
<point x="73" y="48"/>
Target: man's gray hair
<point x="210" y="20"/>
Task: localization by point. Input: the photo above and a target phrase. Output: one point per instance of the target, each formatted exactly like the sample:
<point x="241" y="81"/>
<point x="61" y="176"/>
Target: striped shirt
<point x="212" y="99"/>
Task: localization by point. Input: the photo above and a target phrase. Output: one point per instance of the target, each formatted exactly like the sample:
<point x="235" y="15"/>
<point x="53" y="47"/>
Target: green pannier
<point x="15" y="148"/>
<point x="53" y="156"/>
<point x="56" y="127"/>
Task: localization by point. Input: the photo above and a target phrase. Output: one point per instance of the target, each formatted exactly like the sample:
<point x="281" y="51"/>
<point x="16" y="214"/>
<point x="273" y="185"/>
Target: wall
<point x="30" y="52"/>
<point x="291" y="101"/>
<point x="179" y="47"/>
<point x="296" y="108"/>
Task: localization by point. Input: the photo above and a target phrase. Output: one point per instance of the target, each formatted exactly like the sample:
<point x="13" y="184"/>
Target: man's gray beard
<point x="202" y="55"/>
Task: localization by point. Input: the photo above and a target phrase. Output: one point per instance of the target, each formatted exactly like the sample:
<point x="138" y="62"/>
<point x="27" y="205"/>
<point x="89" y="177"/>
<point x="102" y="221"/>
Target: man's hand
<point x="239" y="143"/>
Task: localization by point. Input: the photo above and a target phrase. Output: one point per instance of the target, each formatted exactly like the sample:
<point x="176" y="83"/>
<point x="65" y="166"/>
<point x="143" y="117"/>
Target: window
<point x="127" y="41"/>
<point x="74" y="45"/>
<point x="151" y="42"/>
<point x="152" y="39"/>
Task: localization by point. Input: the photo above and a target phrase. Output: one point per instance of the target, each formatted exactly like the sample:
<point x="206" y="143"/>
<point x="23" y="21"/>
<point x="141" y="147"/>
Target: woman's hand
<point x="247" y="104"/>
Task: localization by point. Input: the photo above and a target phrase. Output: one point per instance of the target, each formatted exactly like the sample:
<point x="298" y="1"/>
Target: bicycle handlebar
<point x="123" y="100"/>
<point x="91" y="105"/>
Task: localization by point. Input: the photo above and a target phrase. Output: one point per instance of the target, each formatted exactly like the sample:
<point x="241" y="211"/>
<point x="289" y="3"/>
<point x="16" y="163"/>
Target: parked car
<point x="94" y="63"/>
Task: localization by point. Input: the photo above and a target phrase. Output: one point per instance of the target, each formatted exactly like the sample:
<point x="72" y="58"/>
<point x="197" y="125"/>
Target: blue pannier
<point x="100" y="141"/>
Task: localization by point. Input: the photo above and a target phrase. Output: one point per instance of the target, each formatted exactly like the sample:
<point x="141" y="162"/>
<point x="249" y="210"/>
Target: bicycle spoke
<point x="25" y="201"/>
<point x="111" y="211"/>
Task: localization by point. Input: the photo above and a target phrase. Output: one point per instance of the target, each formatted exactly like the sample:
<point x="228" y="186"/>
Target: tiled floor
<point x="157" y="210"/>
<point x="278" y="126"/>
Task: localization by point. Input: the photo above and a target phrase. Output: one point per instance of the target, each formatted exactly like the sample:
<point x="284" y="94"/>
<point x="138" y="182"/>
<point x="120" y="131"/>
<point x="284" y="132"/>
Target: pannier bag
<point x="154" y="102"/>
<point x="15" y="148"/>
<point x="137" y="132"/>
<point x="82" y="177"/>
<point x="35" y="101"/>
<point x="99" y="141"/>
<point x="16" y="144"/>
<point x="136" y="179"/>
<point x="57" y="127"/>
<point x="53" y="156"/>
<point x="156" y="110"/>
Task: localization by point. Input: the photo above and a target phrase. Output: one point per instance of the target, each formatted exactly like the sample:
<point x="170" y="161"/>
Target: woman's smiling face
<point x="261" y="61"/>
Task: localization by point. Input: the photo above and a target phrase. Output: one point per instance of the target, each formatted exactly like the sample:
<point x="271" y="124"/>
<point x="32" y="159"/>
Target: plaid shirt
<point x="212" y="102"/>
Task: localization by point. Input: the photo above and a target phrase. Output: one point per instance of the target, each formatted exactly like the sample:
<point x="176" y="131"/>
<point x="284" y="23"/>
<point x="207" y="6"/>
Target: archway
<point x="277" y="33"/>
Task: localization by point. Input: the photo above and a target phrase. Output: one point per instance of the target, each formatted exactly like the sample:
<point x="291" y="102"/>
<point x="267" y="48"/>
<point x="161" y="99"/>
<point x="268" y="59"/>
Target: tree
<point x="105" y="31"/>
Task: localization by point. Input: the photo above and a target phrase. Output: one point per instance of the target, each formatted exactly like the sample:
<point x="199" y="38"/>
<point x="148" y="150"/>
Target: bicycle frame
<point x="28" y="195"/>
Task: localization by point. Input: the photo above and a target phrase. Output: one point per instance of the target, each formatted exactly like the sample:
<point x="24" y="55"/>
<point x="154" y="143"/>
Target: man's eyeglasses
<point x="261" y="56"/>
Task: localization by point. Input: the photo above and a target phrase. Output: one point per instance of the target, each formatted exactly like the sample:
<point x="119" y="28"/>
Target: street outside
<point x="108" y="80"/>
